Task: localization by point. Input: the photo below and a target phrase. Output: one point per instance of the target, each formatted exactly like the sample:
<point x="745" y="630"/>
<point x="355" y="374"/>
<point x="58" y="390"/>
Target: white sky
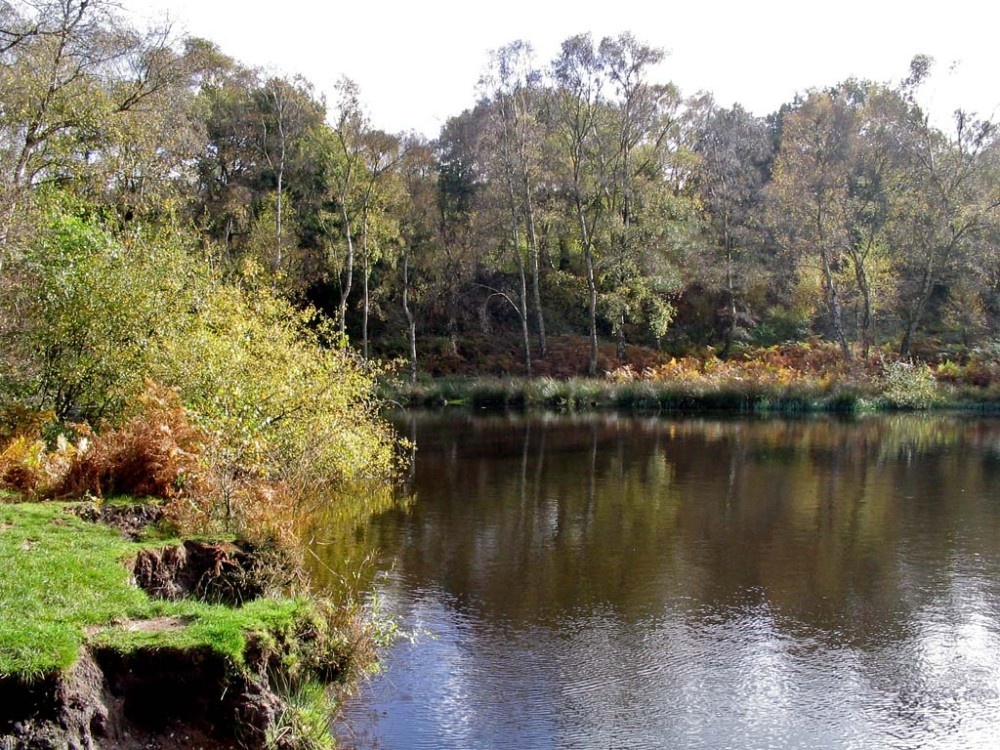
<point x="417" y="61"/>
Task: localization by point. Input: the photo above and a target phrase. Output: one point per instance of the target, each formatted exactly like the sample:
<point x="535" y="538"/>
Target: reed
<point x="676" y="395"/>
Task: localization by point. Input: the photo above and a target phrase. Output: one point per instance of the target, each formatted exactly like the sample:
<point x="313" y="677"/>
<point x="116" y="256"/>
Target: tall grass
<point x="803" y="377"/>
<point x="584" y="394"/>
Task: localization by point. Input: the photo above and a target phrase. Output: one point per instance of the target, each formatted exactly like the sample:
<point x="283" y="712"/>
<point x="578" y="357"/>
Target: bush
<point x="276" y="398"/>
<point x="910" y="385"/>
<point x="92" y="307"/>
<point x="258" y="403"/>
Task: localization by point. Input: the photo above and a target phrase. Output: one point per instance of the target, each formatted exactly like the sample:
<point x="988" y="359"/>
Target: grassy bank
<point x="68" y="598"/>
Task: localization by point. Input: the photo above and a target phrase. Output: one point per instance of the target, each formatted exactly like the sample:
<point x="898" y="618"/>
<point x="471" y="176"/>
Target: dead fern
<point x="22" y="464"/>
<point x="154" y="454"/>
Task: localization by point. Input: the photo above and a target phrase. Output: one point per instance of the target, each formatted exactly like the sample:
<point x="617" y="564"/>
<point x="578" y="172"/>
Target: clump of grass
<point x="546" y="392"/>
<point x="979" y="399"/>
<point x="495" y="393"/>
<point x="635" y="394"/>
<point x="304" y="719"/>
<point x="584" y="393"/>
<point x="447" y="391"/>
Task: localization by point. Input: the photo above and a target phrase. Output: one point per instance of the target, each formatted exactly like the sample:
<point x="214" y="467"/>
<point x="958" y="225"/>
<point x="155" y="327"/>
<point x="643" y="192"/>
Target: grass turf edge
<point x="66" y="593"/>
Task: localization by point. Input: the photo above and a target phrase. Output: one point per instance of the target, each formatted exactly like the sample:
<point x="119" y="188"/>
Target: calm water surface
<point x="617" y="582"/>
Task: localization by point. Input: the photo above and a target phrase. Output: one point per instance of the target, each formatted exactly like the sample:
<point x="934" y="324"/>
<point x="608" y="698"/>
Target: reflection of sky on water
<point x="688" y="679"/>
<point x="742" y="633"/>
<point x="452" y="687"/>
<point x="940" y="687"/>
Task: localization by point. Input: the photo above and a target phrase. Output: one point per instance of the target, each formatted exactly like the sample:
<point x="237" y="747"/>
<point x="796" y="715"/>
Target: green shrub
<point x="286" y="412"/>
<point x="91" y="308"/>
<point x="910" y="385"/>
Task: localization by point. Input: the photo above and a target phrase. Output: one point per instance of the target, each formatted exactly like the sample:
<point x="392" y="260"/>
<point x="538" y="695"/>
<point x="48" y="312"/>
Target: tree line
<point x="579" y="195"/>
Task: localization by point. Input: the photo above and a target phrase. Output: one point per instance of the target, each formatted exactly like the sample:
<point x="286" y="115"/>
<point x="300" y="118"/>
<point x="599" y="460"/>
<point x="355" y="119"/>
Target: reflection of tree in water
<point x="343" y="546"/>
<point x="605" y="581"/>
<point x="843" y="527"/>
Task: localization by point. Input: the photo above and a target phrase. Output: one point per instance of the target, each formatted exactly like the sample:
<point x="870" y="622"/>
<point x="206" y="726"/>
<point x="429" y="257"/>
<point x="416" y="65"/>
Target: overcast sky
<point x="417" y="61"/>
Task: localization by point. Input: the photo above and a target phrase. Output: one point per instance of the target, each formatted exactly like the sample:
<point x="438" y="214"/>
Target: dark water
<point x="614" y="582"/>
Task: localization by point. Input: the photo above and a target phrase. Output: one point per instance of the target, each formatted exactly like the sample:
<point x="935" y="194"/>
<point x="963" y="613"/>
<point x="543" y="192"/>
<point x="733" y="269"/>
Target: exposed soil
<point x="162" y="698"/>
<point x="151" y="698"/>
<point x="229" y="573"/>
<point x="129" y="518"/>
<point x="156" y="624"/>
<point x="152" y="625"/>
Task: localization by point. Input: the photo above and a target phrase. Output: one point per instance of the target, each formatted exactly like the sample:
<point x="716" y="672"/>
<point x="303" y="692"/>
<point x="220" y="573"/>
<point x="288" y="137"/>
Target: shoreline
<point x="679" y="397"/>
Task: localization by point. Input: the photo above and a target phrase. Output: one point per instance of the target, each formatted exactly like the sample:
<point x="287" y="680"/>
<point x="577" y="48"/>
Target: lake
<point x="608" y="581"/>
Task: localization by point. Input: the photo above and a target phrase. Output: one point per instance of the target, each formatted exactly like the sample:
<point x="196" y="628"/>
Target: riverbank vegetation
<point x="107" y="641"/>
<point x="804" y="377"/>
<point x="202" y="263"/>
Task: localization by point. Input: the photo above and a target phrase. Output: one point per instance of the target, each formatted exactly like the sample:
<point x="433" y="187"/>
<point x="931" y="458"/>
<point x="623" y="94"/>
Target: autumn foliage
<point x="160" y="452"/>
<point x="154" y="454"/>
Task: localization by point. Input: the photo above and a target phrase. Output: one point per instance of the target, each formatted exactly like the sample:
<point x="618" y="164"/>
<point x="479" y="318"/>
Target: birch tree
<point x="579" y="78"/>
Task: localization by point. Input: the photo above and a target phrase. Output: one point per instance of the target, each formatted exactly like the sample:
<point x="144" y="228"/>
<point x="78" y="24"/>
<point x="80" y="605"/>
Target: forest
<point x="581" y="196"/>
<point x="207" y="271"/>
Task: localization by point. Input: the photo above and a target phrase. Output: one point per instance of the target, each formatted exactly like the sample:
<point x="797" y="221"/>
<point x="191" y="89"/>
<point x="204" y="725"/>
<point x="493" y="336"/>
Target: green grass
<point x="304" y="720"/>
<point x="582" y="394"/>
<point x="64" y="581"/>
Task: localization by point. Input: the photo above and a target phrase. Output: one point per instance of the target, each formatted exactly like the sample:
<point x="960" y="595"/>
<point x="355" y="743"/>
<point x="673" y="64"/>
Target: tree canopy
<point x="584" y="195"/>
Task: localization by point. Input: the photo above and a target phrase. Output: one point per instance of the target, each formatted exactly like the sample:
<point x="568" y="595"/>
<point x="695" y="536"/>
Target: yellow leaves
<point x="287" y="414"/>
<point x="621" y="374"/>
<point x="21" y="463"/>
